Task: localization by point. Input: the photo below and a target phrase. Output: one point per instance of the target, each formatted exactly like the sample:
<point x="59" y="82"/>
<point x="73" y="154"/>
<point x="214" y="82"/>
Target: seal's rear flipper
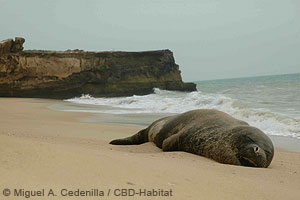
<point x="139" y="138"/>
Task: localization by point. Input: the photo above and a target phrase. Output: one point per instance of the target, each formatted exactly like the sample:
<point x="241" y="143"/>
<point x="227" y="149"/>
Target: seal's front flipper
<point x="171" y="143"/>
<point x="139" y="138"/>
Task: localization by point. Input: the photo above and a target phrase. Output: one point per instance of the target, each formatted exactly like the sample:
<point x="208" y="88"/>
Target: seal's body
<point x="208" y="133"/>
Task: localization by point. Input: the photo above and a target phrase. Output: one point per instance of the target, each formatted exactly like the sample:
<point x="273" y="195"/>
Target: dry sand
<point x="45" y="149"/>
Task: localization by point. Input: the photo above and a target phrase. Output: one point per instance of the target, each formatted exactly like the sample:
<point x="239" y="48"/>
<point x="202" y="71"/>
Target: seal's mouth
<point x="247" y="162"/>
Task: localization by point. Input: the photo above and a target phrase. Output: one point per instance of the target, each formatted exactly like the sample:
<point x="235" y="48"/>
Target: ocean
<point x="270" y="103"/>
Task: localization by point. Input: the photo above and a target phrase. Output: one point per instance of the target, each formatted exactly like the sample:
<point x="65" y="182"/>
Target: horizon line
<point x="245" y="77"/>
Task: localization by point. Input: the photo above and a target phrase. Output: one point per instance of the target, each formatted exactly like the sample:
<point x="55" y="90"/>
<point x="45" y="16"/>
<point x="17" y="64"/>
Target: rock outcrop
<point x="65" y="74"/>
<point x="11" y="46"/>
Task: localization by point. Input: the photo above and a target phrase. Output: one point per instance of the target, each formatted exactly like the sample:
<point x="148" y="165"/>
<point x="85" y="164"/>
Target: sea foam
<point x="162" y="101"/>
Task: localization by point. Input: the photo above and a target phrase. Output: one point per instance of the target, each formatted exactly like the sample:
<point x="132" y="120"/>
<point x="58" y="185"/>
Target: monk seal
<point x="210" y="133"/>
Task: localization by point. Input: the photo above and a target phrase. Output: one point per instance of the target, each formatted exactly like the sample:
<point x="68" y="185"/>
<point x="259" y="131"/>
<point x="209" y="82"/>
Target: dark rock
<point x="18" y="45"/>
<point x="11" y="46"/>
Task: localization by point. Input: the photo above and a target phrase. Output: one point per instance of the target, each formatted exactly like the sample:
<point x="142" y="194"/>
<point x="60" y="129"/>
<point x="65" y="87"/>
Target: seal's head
<point x="255" y="149"/>
<point x="253" y="156"/>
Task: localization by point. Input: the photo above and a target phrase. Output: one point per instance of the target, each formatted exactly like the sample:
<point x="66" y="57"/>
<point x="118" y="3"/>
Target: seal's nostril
<point x="256" y="149"/>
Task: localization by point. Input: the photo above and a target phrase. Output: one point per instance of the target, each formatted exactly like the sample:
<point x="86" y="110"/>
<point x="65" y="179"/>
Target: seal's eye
<point x="256" y="149"/>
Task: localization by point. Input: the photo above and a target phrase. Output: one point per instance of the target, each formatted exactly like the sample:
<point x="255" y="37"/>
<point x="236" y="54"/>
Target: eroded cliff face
<point x="53" y="74"/>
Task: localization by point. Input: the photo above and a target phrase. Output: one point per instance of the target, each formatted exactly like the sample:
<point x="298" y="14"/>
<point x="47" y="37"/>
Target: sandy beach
<point x="43" y="149"/>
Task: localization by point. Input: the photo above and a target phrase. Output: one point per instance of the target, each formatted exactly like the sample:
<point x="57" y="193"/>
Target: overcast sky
<point x="211" y="39"/>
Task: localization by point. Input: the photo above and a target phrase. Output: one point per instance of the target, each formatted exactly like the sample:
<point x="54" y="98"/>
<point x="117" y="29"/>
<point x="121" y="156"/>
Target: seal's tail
<point x="138" y="138"/>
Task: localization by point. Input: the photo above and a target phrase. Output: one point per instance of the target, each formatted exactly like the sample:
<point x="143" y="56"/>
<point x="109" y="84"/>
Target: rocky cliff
<point x="55" y="74"/>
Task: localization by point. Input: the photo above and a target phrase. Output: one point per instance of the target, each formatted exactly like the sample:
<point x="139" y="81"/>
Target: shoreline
<point x="44" y="148"/>
<point x="143" y="120"/>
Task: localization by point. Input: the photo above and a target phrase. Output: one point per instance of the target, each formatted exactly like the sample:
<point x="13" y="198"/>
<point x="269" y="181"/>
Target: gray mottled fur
<point x="208" y="133"/>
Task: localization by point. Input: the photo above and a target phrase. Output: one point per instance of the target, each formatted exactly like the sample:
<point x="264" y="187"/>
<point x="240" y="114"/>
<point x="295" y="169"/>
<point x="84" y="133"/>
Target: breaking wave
<point x="162" y="101"/>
